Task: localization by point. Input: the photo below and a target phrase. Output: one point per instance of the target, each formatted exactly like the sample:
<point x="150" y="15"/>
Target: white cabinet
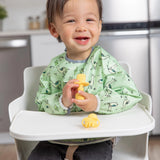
<point x="44" y="48"/>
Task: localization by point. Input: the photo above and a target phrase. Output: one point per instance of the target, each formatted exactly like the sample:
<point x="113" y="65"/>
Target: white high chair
<point x="130" y="147"/>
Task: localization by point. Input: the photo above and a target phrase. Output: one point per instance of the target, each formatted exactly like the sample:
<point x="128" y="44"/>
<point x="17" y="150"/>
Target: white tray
<point x="39" y="126"/>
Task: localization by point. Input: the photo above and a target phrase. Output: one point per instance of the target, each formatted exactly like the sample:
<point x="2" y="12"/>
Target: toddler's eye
<point x="71" y="21"/>
<point x="89" y="20"/>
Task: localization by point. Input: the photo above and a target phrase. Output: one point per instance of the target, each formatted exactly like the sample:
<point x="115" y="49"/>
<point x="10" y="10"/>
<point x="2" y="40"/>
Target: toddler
<point x="78" y="23"/>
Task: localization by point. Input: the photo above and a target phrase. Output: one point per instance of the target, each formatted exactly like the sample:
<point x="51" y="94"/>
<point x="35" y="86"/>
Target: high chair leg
<point x="70" y="151"/>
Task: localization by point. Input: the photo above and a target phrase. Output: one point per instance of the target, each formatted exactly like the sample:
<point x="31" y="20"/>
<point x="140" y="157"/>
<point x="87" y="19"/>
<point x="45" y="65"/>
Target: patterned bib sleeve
<point x="47" y="99"/>
<point x="119" y="92"/>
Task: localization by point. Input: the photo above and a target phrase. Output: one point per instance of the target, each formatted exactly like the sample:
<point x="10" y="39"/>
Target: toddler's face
<point x="80" y="26"/>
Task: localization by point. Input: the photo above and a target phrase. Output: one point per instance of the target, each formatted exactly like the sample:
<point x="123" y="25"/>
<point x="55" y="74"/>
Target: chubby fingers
<point x="81" y="103"/>
<point x="69" y="91"/>
<point x="88" y="104"/>
<point x="82" y="93"/>
<point x="71" y="84"/>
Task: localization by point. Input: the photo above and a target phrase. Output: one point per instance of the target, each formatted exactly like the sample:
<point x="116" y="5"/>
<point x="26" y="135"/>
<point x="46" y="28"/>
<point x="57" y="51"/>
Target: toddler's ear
<point x="53" y="31"/>
<point x="100" y="25"/>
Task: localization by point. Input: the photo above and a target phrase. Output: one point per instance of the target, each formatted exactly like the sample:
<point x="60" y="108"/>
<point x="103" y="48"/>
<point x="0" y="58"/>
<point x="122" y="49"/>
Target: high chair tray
<point x="39" y="126"/>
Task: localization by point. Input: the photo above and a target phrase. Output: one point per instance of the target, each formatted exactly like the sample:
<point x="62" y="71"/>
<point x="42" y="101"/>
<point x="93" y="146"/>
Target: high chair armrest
<point x="16" y="106"/>
<point x="146" y="101"/>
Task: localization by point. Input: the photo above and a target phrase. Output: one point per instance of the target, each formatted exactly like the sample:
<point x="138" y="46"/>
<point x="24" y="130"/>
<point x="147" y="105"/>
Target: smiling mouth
<point x="82" y="38"/>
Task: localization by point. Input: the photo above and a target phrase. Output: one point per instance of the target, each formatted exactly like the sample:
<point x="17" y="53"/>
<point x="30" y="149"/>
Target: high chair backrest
<point x="31" y="83"/>
<point x="26" y="102"/>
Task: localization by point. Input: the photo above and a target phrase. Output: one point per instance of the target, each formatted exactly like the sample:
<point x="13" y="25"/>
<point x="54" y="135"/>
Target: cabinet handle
<point x="16" y="43"/>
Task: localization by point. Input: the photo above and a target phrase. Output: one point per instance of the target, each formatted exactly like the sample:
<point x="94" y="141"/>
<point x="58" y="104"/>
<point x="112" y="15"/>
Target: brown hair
<point x="55" y="7"/>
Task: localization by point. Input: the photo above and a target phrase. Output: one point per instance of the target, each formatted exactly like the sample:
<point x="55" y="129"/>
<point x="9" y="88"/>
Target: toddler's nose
<point x="81" y="29"/>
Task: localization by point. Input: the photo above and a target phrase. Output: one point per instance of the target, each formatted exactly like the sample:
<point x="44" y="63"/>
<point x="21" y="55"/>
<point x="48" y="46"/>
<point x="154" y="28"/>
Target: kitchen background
<point x="19" y="11"/>
<point x="130" y="33"/>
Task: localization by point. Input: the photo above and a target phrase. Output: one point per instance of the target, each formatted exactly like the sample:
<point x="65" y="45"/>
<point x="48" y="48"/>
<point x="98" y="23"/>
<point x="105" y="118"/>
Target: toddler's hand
<point x="89" y="104"/>
<point x="69" y="91"/>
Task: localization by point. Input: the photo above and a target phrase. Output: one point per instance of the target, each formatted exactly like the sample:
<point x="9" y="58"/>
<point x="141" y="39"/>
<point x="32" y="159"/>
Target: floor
<point x="154" y="148"/>
<point x="8" y="152"/>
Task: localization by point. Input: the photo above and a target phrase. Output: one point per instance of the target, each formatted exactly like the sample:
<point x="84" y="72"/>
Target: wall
<point x="20" y="10"/>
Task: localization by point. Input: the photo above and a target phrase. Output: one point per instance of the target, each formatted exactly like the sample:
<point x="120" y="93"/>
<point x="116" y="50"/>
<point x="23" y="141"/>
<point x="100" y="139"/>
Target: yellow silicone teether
<point x="82" y="83"/>
<point x="91" y="121"/>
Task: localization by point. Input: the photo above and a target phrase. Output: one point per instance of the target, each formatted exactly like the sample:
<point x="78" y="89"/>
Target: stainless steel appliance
<point x="125" y="36"/>
<point x="131" y="33"/>
<point x="155" y="76"/>
<point x="154" y="19"/>
<point x="14" y="57"/>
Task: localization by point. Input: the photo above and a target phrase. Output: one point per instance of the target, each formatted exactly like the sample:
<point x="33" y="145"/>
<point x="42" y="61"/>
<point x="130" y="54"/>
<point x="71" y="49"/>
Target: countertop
<point x="23" y="33"/>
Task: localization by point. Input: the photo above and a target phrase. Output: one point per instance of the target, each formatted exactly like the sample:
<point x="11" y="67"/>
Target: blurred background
<point x="131" y="33"/>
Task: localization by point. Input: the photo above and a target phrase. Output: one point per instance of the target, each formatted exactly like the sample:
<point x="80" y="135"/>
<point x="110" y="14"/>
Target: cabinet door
<point x="44" y="48"/>
<point x="133" y="50"/>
